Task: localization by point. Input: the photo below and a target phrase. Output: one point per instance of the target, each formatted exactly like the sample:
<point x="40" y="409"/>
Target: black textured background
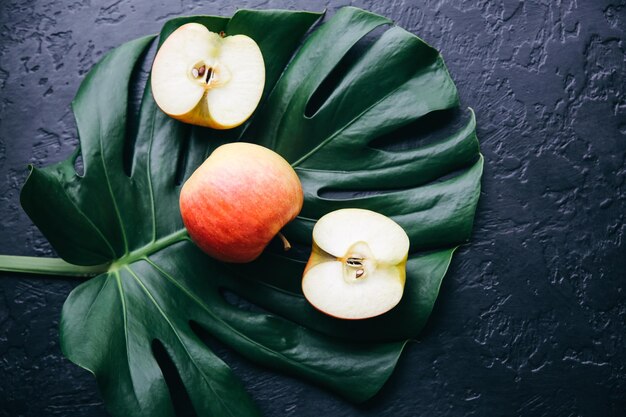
<point x="531" y="316"/>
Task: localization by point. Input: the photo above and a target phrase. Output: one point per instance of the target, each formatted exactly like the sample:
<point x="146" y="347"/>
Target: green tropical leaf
<point x="157" y="286"/>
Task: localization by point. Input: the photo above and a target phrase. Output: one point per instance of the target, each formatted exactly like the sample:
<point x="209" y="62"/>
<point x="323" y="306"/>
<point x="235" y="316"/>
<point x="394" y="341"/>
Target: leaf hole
<point x="333" y="194"/>
<point x="181" y="401"/>
<point x="239" y="302"/>
<point x="241" y="367"/>
<point x="427" y="130"/>
<point x="340" y="195"/>
<point x="221" y="350"/>
<point x="79" y="166"/>
<point x="136" y="94"/>
<point x="455" y="173"/>
<point x="332" y="80"/>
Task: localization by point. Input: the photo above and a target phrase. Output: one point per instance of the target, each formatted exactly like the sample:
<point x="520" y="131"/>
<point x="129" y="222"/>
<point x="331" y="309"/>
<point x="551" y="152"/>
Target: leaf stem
<point x="48" y="266"/>
<point x="56" y="266"/>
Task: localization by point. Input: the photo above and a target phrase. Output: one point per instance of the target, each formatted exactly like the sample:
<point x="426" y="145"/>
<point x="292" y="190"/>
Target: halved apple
<point x="202" y="78"/>
<point x="357" y="267"/>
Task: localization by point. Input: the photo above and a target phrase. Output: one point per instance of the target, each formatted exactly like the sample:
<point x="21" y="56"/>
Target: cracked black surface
<point x="531" y="316"/>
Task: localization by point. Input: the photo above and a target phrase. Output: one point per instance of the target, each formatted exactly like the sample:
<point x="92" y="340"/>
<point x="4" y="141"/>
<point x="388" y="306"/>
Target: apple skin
<point x="238" y="200"/>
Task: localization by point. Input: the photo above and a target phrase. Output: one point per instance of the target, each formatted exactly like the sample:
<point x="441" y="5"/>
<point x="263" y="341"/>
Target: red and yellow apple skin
<point x="238" y="200"/>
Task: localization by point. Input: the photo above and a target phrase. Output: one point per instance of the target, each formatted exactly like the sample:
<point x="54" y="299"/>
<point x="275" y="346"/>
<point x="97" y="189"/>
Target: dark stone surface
<point x="530" y="320"/>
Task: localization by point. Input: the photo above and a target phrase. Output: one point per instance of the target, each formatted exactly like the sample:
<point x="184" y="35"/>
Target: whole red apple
<point x="238" y="200"/>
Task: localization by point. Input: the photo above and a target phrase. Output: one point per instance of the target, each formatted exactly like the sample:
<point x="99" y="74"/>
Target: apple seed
<point x="354" y="261"/>
<point x="209" y="75"/>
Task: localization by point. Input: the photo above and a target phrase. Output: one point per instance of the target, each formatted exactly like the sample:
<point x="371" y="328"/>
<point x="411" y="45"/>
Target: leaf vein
<point x="126" y="345"/>
<point x="295" y="364"/>
<point x="96" y="228"/>
<point x="106" y="281"/>
<point x="149" y="176"/>
<point x="113" y="199"/>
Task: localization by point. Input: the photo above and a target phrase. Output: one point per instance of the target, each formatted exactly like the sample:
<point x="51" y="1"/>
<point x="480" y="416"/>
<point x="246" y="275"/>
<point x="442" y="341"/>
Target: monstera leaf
<point x="334" y="108"/>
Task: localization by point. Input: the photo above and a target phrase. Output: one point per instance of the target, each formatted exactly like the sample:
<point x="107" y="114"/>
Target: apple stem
<point x="286" y="244"/>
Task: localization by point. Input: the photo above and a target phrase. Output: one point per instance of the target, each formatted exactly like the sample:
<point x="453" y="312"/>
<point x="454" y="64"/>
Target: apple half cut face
<point x="202" y="78"/>
<point x="357" y="267"/>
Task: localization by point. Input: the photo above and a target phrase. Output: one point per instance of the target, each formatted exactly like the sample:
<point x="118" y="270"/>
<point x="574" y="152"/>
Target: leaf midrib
<point x="153" y="247"/>
<point x="110" y="188"/>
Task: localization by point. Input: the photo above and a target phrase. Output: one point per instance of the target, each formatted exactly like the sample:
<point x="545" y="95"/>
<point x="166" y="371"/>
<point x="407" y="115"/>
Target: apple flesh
<point x="202" y="78"/>
<point x="357" y="267"/>
<point x="238" y="200"/>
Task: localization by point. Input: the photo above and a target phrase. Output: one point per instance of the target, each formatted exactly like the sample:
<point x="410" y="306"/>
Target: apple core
<point x="208" y="79"/>
<point x="357" y="267"/>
